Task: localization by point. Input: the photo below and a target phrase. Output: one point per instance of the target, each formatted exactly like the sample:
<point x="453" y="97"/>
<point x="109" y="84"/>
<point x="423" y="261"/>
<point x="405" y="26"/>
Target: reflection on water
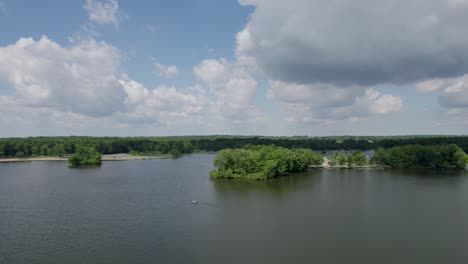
<point x="277" y="187"/>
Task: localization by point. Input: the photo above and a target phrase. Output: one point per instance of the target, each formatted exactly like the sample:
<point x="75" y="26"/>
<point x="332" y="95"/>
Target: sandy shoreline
<point x="107" y="157"/>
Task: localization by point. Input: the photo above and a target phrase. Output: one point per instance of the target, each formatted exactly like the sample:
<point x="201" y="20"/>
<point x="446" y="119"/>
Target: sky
<point x="247" y="67"/>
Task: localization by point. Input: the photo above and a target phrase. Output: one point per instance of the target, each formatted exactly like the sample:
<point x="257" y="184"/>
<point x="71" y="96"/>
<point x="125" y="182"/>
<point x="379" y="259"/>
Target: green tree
<point x="175" y="153"/>
<point x="337" y="158"/>
<point x="36" y="150"/>
<point x="357" y="159"/>
<point x="58" y="150"/>
<point x="45" y="150"/>
<point x="441" y="156"/>
<point x="2" y="150"/>
<point x="85" y="156"/>
<point x="341" y="160"/>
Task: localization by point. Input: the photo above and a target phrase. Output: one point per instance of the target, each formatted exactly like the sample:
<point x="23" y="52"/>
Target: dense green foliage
<point x="340" y="159"/>
<point x="58" y="146"/>
<point x="262" y="162"/>
<point x="85" y="156"/>
<point x="337" y="158"/>
<point x="446" y="156"/>
<point x="357" y="159"/>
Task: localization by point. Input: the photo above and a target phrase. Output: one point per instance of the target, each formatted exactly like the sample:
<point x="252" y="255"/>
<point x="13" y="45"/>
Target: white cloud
<point x="136" y="92"/>
<point x="234" y="90"/>
<point x="82" y="83"/>
<point x="316" y="95"/>
<point x="374" y="102"/>
<point x="349" y="43"/>
<point x="87" y="96"/>
<point x="166" y="105"/>
<point x="193" y="109"/>
<point x="455" y="95"/>
<point x="233" y="86"/>
<point x="166" y="70"/>
<point x="80" y="78"/>
<point x="327" y="103"/>
<point x="103" y="11"/>
<point x="431" y="85"/>
<point x="452" y="92"/>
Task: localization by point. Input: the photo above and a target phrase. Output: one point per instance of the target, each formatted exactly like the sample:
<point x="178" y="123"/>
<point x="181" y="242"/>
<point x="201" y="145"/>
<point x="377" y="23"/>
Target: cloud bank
<point x="357" y="43"/>
<point x="80" y="78"/>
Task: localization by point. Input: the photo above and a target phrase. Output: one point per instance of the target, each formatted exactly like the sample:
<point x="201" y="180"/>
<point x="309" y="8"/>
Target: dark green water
<point x="141" y="212"/>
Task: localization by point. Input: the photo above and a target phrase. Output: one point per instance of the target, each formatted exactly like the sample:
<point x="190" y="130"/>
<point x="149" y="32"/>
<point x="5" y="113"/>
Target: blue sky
<point x="126" y="68"/>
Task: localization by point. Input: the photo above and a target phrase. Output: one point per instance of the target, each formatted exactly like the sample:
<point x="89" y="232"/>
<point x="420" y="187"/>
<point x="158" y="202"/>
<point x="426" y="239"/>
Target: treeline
<point x="414" y="156"/>
<point x="59" y="146"/>
<point x="262" y="162"/>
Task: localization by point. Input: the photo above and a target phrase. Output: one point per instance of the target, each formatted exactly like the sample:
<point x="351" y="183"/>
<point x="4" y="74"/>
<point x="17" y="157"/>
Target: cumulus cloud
<point x="317" y="95"/>
<point x="455" y="95"/>
<point x="452" y="92"/>
<point x="374" y="102"/>
<point x="82" y="83"/>
<point x="166" y="70"/>
<point x="103" y="11"/>
<point x="166" y="105"/>
<point x="322" y="103"/>
<point x="232" y="85"/>
<point x="432" y="85"/>
<point x="364" y="43"/>
<point x="80" y="78"/>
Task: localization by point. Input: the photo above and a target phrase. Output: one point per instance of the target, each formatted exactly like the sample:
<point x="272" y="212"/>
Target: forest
<point x="417" y="156"/>
<point x="262" y="162"/>
<point x="60" y="146"/>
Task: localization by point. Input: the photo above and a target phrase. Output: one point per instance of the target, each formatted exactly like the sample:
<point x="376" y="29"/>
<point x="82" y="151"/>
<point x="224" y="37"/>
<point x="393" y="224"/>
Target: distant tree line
<point x="262" y="162"/>
<point x="413" y="156"/>
<point x="60" y="146"/>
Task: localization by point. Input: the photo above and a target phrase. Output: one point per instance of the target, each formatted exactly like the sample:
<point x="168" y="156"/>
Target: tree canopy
<point x="85" y="156"/>
<point x="340" y="159"/>
<point x="58" y="146"/>
<point x="262" y="162"/>
<point x="444" y="157"/>
<point x="357" y="159"/>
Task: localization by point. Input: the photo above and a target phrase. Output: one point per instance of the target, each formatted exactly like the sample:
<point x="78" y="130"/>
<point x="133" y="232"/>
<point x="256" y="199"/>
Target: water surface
<point x="141" y="212"/>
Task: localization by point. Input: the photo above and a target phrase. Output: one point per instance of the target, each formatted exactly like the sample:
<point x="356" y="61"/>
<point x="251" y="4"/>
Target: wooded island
<point x="262" y="162"/>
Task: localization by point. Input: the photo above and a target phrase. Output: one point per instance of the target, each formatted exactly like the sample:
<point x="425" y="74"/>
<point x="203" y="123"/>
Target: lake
<point x="142" y="212"/>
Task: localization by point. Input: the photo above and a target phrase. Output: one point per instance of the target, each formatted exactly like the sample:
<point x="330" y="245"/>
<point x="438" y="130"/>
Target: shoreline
<point x="323" y="166"/>
<point x="106" y="157"/>
<point x="128" y="157"/>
